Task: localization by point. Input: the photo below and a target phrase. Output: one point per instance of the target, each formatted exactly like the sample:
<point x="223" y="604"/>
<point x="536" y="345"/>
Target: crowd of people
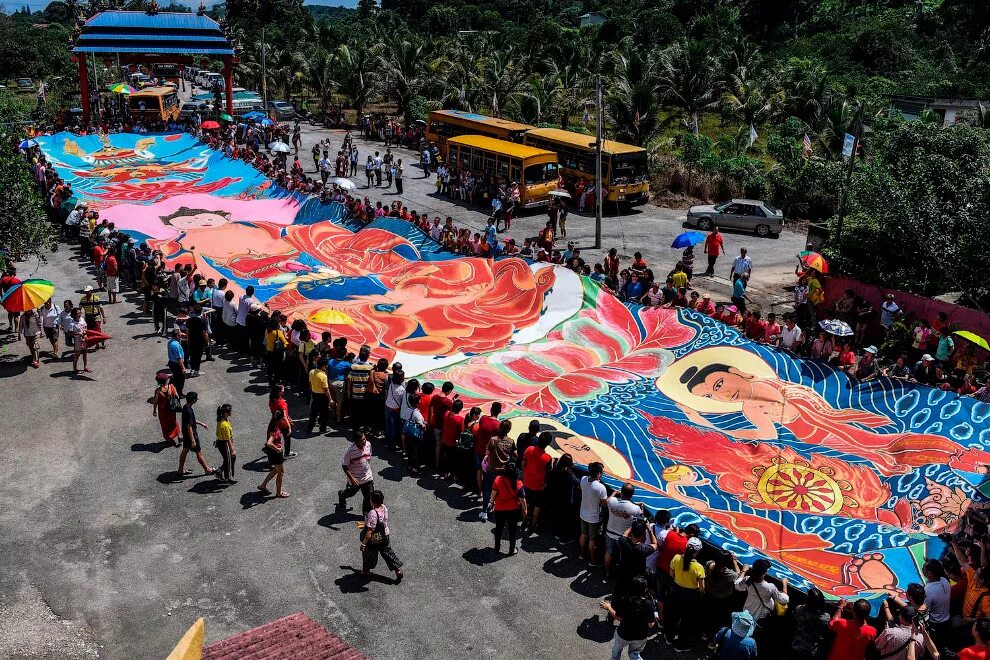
<point x="665" y="580"/>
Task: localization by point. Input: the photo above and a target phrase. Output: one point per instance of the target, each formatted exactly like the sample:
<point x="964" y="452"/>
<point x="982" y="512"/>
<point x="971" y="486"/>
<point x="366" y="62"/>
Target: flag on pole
<point x="847" y="146"/>
<point x="753" y="135"/>
<point x="635" y="120"/>
<point x="806" y="146"/>
<point x="586" y="117"/>
<point x="462" y="95"/>
<point x="495" y="103"/>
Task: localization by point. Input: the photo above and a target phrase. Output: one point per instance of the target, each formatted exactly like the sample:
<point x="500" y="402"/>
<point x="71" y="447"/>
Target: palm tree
<point x="502" y="75"/>
<point x="453" y="82"/>
<point x="359" y="78"/>
<point x="288" y="68"/>
<point x="633" y="99"/>
<point x="320" y="75"/>
<point x="809" y="91"/>
<point x="750" y="99"/>
<point x="688" y="78"/>
<point x="403" y="64"/>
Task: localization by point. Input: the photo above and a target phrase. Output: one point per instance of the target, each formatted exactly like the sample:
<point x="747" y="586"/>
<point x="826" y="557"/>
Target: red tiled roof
<point x="295" y="637"/>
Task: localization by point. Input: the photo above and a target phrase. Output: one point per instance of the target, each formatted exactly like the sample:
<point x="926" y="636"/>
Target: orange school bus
<point x="624" y="166"/>
<point x="155" y="103"/>
<point x="445" y="124"/>
<point x="535" y="170"/>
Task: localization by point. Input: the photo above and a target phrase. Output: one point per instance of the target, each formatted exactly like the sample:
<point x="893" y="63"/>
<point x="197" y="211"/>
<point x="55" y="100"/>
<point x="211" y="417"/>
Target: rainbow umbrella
<point x="331" y="317"/>
<point x="122" y="88"/>
<point x="974" y="338"/>
<point x="815" y="261"/>
<point x="29" y="294"/>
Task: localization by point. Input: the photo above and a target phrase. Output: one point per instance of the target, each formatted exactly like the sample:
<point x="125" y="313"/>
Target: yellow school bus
<point x="154" y="103"/>
<point x="535" y="170"/>
<point x="624" y="166"/>
<point x="445" y="124"/>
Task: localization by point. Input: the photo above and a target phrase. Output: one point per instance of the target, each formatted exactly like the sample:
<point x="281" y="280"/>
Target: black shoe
<point x="341" y="500"/>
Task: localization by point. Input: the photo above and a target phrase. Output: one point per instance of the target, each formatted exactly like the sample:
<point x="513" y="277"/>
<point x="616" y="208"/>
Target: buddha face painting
<point x="184" y="219"/>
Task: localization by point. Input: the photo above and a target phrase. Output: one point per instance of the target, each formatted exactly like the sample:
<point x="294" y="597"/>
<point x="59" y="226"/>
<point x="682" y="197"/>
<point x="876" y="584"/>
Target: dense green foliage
<point x="684" y="78"/>
<point x="24" y="230"/>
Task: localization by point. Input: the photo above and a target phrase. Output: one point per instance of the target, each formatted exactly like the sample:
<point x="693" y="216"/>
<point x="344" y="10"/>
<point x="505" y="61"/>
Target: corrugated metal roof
<point x="96" y="35"/>
<point x="163" y="20"/>
<point x="143" y="48"/>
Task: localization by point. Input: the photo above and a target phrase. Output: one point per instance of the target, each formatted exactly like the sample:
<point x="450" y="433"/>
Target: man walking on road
<point x="360" y="477"/>
<point x="326" y="167"/>
<point x="398" y="176"/>
<point x="713" y="248"/>
<point x="742" y="265"/>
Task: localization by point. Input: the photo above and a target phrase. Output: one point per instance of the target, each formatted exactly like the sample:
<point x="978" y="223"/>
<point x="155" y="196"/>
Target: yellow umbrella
<point x="973" y="337"/>
<point x="331" y="317"/>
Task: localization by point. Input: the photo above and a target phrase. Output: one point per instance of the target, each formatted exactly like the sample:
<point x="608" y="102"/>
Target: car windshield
<point x="629" y="168"/>
<point x="724" y="205"/>
<point x="771" y="210"/>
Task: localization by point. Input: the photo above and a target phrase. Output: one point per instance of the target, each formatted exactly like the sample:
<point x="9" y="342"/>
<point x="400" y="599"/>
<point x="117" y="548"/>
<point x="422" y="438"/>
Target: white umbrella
<point x="341" y="182"/>
<point x="279" y="147"/>
<point x="836" y="327"/>
<point x="560" y="193"/>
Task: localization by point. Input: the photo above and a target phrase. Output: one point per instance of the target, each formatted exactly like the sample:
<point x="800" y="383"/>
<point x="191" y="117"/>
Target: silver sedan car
<point x="746" y="214"/>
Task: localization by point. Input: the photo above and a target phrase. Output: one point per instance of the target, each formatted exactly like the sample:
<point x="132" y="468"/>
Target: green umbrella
<point x="226" y="117"/>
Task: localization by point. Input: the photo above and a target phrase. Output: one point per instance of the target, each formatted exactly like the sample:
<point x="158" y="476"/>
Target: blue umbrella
<point x="27" y="144"/>
<point x="688" y="238"/>
<point x="254" y="115"/>
<point x="266" y="122"/>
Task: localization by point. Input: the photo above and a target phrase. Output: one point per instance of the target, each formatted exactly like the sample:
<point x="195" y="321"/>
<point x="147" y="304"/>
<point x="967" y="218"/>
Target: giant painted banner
<point x="843" y="485"/>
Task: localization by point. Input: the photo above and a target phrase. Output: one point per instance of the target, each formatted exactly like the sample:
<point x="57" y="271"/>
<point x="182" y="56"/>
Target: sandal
<point x="284" y="493"/>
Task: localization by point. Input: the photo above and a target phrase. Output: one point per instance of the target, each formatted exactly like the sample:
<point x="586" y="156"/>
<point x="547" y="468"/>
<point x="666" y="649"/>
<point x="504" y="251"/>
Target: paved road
<point x="648" y="229"/>
<point x="107" y="555"/>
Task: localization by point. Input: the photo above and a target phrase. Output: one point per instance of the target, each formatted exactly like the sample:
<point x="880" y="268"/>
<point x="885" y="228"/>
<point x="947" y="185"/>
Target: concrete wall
<point x="923" y="308"/>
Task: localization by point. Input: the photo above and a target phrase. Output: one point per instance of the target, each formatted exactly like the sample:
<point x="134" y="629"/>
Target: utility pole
<point x="264" y="73"/>
<point x="598" y="164"/>
<point x="857" y="129"/>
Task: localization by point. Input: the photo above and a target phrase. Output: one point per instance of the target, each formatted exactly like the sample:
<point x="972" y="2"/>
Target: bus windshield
<point x="541" y="173"/>
<point x="629" y="168"/>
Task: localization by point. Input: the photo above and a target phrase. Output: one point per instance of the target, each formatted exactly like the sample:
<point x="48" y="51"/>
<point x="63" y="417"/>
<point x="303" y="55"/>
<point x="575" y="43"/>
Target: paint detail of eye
<point x="717" y="386"/>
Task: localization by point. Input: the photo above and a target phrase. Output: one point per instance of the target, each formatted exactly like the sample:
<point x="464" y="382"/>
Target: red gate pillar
<point x="228" y="81"/>
<point x="84" y="87"/>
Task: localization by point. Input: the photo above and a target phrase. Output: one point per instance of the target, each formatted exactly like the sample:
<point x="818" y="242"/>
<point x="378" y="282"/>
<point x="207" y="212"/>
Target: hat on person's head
<point x="871" y="349"/>
<point x="694" y="543"/>
<point x="743" y="623"/>
<point x="706" y="297"/>
<point x="88" y="289"/>
<point x="927" y="358"/>
<point x="162" y="376"/>
<point x="890" y="296"/>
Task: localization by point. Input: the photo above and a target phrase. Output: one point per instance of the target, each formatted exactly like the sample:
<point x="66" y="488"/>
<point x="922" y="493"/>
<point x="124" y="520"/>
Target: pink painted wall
<point x="963" y="318"/>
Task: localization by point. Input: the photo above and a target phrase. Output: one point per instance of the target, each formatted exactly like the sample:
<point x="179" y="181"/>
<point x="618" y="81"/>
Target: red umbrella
<point x="209" y="123"/>
<point x="815" y="261"/>
<point x="93" y="338"/>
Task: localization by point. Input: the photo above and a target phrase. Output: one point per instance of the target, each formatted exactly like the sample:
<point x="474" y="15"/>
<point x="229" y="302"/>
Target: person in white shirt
<point x="51" y="321"/>
<point x="761" y="596"/>
<point x="593" y="496"/>
<point x="621" y="514"/>
<point x="936" y="593"/>
<point x="360" y="477"/>
<point x="243" y="307"/>
<point x="742" y="265"/>
<point x="791" y="336"/>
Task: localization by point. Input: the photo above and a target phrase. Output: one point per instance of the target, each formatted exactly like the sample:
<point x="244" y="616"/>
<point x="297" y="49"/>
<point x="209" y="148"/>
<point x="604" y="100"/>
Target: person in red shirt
<point x="452" y="427"/>
<point x="852" y="636"/>
<point x="639" y="263"/>
<point x="7" y="282"/>
<point x="772" y="332"/>
<point x="535" y="467"/>
<point x="112" y="274"/>
<point x="755" y="326"/>
<point x="487" y="428"/>
<point x="713" y="248"/>
<point x="981" y="635"/>
<point x="439" y="405"/>
<point x="425" y="442"/>
<point x="847" y="357"/>
<point x="99" y="253"/>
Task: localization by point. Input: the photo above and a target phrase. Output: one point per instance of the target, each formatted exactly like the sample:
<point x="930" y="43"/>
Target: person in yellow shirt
<point x="679" y="276"/>
<point x="275" y="344"/>
<point x="225" y="444"/>
<point x="689" y="585"/>
<point x="319" y="391"/>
